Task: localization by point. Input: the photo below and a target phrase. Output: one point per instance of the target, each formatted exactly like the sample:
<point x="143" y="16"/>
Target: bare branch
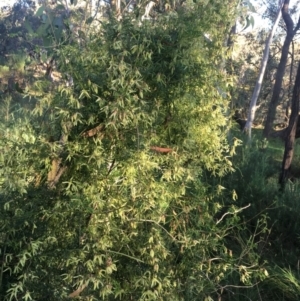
<point x="235" y="211"/>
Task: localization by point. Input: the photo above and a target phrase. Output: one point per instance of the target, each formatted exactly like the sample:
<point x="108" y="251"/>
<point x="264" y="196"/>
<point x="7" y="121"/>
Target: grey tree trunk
<point x="264" y="61"/>
<point x="281" y="67"/>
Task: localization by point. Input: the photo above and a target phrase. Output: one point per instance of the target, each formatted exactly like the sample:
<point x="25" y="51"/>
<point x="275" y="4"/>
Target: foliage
<point x="117" y="181"/>
<point x="271" y="221"/>
<point x="90" y="205"/>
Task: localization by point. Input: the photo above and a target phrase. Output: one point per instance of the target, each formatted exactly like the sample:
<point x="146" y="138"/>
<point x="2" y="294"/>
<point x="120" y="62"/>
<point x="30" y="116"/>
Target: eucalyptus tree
<point x="291" y="30"/>
<point x="258" y="85"/>
<point x="291" y="132"/>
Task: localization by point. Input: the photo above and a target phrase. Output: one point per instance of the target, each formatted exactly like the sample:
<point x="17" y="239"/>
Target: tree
<point x="104" y="182"/>
<point x="258" y="85"/>
<point x="291" y="132"/>
<point x="291" y="31"/>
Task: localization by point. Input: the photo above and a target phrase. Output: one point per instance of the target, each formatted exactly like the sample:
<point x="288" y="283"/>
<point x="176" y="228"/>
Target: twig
<point x="126" y="6"/>
<point x="122" y="254"/>
<point x="157" y="224"/>
<point x="111" y="167"/>
<point x="240" y="286"/>
<point x="67" y="10"/>
<point x="138" y="137"/>
<point x="235" y="211"/>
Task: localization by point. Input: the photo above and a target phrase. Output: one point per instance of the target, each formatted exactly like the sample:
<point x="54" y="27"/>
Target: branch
<point x="162" y="150"/>
<point x="287" y="18"/>
<point x="57" y="177"/>
<point x="55" y="173"/>
<point x="57" y="168"/>
<point x="235" y="211"/>
<point x="78" y="291"/>
<point x="125" y="255"/>
<point x="147" y="10"/>
<point x="157" y="224"/>
<point x="111" y="167"/>
<point x="94" y="131"/>
<point x="67" y="10"/>
<point x="130" y="2"/>
<point x="297" y="26"/>
<point x="240" y="286"/>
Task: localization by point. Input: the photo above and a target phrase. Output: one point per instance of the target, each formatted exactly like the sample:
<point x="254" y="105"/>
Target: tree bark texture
<point x="281" y="67"/>
<point x="291" y="132"/>
<point x="290" y="91"/>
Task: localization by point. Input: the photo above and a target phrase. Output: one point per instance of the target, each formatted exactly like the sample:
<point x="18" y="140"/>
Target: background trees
<point x="291" y="32"/>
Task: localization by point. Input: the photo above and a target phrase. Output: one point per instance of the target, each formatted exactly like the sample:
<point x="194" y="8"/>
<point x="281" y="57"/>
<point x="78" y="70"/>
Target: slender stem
<point x="235" y="211"/>
<point x="2" y="267"/>
<point x="122" y="254"/>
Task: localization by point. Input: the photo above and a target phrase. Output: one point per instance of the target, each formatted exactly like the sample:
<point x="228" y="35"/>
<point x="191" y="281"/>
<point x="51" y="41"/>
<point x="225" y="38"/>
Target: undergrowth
<point x="272" y="217"/>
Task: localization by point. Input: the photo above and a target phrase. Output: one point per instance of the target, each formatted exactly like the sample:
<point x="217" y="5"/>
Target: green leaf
<point x="60" y="6"/>
<point x="28" y="27"/>
<point x="44" y="57"/>
<point x="47" y="41"/>
<point x="58" y="34"/>
<point x="249" y="22"/>
<point x="45" y="18"/>
<point x="42" y="30"/>
<point x="89" y="20"/>
<point x="40" y="11"/>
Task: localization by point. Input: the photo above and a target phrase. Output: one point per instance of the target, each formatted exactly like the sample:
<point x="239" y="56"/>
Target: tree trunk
<point x="264" y="61"/>
<point x="291" y="132"/>
<point x="288" y="104"/>
<point x="281" y="67"/>
<point x="283" y="133"/>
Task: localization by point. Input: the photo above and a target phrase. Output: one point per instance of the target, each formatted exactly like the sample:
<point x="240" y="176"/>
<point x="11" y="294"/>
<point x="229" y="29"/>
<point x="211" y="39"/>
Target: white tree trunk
<point x="255" y="95"/>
